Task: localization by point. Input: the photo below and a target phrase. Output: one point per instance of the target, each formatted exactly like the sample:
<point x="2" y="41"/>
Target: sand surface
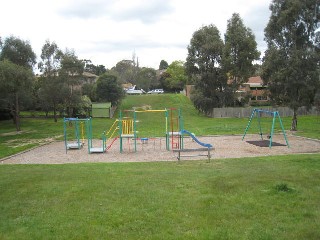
<point x="155" y="150"/>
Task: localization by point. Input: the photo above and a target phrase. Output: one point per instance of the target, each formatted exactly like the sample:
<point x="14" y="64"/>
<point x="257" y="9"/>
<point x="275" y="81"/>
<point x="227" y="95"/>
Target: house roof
<point x="255" y="81"/>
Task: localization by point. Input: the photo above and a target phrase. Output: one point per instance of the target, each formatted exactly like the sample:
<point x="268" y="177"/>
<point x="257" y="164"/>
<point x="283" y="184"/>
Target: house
<point x="89" y="78"/>
<point x="254" y="88"/>
<point x="257" y="90"/>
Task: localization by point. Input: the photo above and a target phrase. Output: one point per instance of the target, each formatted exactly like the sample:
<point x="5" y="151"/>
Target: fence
<point x="246" y="112"/>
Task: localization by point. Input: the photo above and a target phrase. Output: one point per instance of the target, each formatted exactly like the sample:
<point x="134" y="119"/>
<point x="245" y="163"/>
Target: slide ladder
<point x="110" y="134"/>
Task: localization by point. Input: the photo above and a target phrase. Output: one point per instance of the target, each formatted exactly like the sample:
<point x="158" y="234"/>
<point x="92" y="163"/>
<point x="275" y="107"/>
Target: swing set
<point x="275" y="115"/>
<point x="81" y="129"/>
<point x="78" y="127"/>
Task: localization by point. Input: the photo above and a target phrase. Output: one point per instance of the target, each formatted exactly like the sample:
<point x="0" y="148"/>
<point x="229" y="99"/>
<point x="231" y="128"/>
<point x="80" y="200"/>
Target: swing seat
<point x="74" y="145"/>
<point x="96" y="150"/>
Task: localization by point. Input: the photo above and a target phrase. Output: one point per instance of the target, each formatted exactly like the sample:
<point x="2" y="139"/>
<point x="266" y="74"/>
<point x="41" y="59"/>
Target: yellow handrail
<point x="111" y="127"/>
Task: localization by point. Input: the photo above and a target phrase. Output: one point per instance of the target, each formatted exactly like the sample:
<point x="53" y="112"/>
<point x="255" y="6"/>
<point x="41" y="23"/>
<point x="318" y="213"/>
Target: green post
<point x="272" y="128"/>
<point x="259" y="123"/>
<point x="65" y="133"/>
<point x="181" y="127"/>
<point x="248" y="125"/>
<point x="167" y="132"/>
<point x="283" y="131"/>
<point x="77" y="132"/>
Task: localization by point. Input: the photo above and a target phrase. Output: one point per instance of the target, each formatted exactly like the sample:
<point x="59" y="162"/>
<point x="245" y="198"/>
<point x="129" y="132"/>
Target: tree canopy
<point x="291" y="60"/>
<point x="163" y="65"/>
<point x="175" y="77"/>
<point x="16" y="77"/>
<point x="109" y="89"/>
<point x="18" y="52"/>
<point x="240" y="51"/>
<point x="204" y="67"/>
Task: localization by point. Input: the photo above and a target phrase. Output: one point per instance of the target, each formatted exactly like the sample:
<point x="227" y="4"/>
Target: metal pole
<point x="272" y="129"/>
<point x="283" y="131"/>
<point x="248" y="125"/>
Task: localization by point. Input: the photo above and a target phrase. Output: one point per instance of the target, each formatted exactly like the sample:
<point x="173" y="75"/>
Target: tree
<point x="109" y="89"/>
<point x="146" y="78"/>
<point x="17" y="59"/>
<point x="204" y="67"/>
<point x="15" y="86"/>
<point x="71" y="73"/>
<point x="52" y="90"/>
<point x="239" y="52"/>
<point x="176" y="77"/>
<point x="94" y="69"/>
<point x="18" y="52"/>
<point x="290" y="62"/>
<point x="163" y="65"/>
<point x="126" y="71"/>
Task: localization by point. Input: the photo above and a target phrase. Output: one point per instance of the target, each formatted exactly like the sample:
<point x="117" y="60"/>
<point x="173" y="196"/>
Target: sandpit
<point x="155" y="150"/>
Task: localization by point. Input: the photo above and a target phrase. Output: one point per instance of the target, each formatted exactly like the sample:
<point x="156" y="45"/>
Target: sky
<point x="108" y="31"/>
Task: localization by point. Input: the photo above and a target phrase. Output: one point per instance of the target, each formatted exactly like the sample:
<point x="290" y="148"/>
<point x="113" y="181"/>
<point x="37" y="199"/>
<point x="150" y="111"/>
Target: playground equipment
<point x="127" y="130"/>
<point x="91" y="148"/>
<point x="110" y="134"/>
<point x="175" y="121"/>
<point x="173" y="124"/>
<point x="206" y="147"/>
<point x="78" y="126"/>
<point x="275" y="115"/>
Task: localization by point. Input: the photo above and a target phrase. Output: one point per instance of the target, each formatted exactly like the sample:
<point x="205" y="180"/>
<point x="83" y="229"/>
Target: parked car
<point x="156" y="91"/>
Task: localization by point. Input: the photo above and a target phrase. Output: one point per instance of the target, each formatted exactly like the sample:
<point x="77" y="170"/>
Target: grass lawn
<point x="249" y="198"/>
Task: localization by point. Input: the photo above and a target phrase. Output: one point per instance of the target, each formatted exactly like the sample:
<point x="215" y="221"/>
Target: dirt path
<point x="154" y="150"/>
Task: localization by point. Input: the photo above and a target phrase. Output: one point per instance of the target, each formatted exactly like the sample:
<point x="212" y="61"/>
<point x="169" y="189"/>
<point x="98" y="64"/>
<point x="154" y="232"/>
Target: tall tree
<point x="19" y="52"/>
<point x="15" y="87"/>
<point x="290" y="62"/>
<point x="240" y="51"/>
<point x="94" y="69"/>
<point x="109" y="89"/>
<point x="204" y="66"/>
<point x="71" y="73"/>
<point x="52" y="88"/>
<point x="163" y="65"/>
<point x="21" y="60"/>
<point x="126" y="70"/>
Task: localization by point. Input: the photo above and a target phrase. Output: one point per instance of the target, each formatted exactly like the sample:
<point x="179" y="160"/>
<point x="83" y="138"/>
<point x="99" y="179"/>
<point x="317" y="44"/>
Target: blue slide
<point x="207" y="145"/>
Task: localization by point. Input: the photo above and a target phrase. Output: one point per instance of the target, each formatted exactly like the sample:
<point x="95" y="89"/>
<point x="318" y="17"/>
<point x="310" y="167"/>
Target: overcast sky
<point x="108" y="31"/>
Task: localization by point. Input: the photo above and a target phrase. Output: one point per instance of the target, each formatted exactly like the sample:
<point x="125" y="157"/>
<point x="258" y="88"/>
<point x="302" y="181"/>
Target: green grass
<point x="226" y="199"/>
<point x="35" y="131"/>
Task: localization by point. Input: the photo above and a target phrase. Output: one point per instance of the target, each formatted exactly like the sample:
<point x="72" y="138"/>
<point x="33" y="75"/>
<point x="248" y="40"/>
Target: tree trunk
<point x="55" y="113"/>
<point x="294" y="123"/>
<point x="17" y="112"/>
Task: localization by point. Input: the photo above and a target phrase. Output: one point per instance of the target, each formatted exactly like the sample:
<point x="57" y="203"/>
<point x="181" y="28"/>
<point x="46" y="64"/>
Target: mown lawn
<point x="249" y="198"/>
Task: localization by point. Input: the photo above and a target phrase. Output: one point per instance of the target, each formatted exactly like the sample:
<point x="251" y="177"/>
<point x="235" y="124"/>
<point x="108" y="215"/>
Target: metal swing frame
<point x="275" y="115"/>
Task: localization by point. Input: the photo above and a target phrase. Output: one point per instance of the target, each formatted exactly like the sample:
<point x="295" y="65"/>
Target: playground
<point x="224" y="147"/>
<point x="124" y="142"/>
